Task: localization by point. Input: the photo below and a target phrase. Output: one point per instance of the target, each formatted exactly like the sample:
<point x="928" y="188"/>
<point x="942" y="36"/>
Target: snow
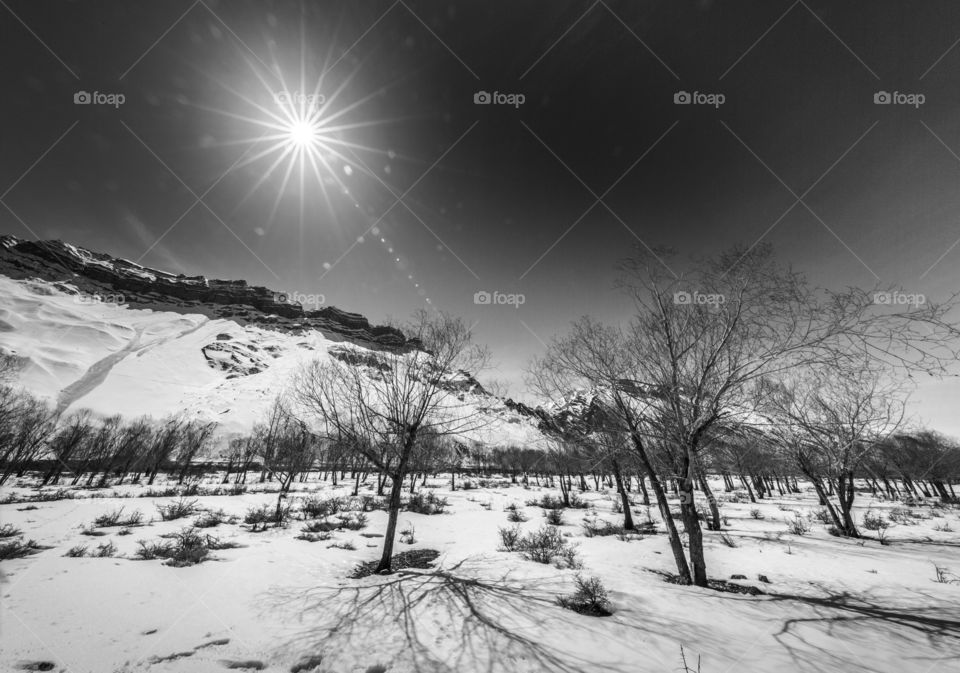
<point x="113" y="359"/>
<point x="831" y="604"/>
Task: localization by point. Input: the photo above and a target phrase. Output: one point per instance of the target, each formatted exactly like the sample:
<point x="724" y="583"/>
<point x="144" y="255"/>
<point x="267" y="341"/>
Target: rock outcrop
<point x="123" y="281"/>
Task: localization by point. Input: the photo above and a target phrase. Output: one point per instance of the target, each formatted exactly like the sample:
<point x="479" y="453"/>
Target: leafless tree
<point x="286" y="448"/>
<point x="831" y="419"/>
<point x="698" y="343"/>
<point x="383" y="407"/>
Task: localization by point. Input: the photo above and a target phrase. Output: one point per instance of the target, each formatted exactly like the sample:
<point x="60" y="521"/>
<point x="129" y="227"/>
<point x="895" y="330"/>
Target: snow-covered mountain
<point x="112" y="336"/>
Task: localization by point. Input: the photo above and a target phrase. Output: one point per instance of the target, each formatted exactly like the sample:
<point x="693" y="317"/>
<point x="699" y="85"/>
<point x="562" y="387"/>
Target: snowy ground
<point x="275" y="602"/>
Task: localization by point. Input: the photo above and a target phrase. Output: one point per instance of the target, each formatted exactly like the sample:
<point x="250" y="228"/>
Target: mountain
<point x="103" y="333"/>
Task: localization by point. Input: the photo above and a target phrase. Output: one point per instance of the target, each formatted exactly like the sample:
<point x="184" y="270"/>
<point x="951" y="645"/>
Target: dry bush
<point x="8" y="530"/>
<point x="547" y="545"/>
<point x="19" y="549"/>
<point x="115" y="518"/>
<point x="77" y="551"/>
<point x="213" y="518"/>
<point x="426" y="504"/>
<point x="188" y="547"/>
<point x="177" y="509"/>
<point x="105" y="550"/>
<point x="593" y="527"/>
<point x="590" y="598"/>
<point x="510" y="538"/>
<point x="554" y="516"/>
<point x="797" y="525"/>
<point x="315" y="507"/>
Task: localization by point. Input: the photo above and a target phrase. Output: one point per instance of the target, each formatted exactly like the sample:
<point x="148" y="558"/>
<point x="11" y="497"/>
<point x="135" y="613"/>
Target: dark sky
<point x="491" y="187"/>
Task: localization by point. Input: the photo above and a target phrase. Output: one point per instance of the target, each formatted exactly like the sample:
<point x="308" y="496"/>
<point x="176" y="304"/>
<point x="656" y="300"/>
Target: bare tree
<point x="697" y="344"/>
<point x="286" y="447"/>
<point x="383" y="406"/>
<point x="832" y="419"/>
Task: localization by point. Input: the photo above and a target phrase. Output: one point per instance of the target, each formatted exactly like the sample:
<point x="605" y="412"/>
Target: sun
<point x="302" y="134"/>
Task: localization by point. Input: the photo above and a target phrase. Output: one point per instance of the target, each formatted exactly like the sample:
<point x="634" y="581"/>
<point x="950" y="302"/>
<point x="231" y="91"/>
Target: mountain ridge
<point x="102" y="274"/>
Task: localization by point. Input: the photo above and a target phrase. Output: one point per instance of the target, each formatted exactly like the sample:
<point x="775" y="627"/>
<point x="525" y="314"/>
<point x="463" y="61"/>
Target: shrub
<point x="755" y="513"/>
<point x="114" y="518"/>
<point x="554" y="516"/>
<point x="314" y="527"/>
<point x="727" y="540"/>
<point x="900" y="515"/>
<point x="77" y="551"/>
<point x="349" y="546"/>
<point x="212" y="519"/>
<point x="314" y="537"/>
<point x="19" y="549"/>
<point x="601" y="527"/>
<point x="177" y="509"/>
<point x="408" y="535"/>
<point x="822" y="515"/>
<point x="943" y="527"/>
<point x="104" y="550"/>
<point x="8" y="530"/>
<point x="547" y="545"/>
<point x="370" y="503"/>
<point x="590" y="598"/>
<point x="873" y="521"/>
<point x="315" y="507"/>
<point x="944" y="576"/>
<point x="617" y="506"/>
<point x="188" y="547"/>
<point x="797" y="526"/>
<point x="160" y="493"/>
<point x="510" y="538"/>
<point x="259" y="517"/>
<point x="426" y="504"/>
<point x="514" y="515"/>
<point x="548" y="501"/>
<point x="352" y="520"/>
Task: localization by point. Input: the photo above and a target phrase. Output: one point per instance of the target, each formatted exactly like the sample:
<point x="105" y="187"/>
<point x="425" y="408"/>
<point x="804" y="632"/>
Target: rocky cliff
<point x="123" y="281"/>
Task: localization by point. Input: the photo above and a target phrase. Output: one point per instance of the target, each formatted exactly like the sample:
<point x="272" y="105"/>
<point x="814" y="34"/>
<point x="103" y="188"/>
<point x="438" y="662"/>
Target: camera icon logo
<point x="281" y="298"/>
<point x="883" y="298"/>
<point x="482" y="298"/>
<point x="682" y="298"/>
<point x="882" y="98"/>
<point x="482" y="98"/>
<point x="682" y="98"/>
<point x="82" y="98"/>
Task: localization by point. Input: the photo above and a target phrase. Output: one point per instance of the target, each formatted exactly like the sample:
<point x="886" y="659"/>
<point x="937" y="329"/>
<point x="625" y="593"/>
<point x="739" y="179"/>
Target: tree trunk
<point x="688" y="511"/>
<point x="624" y="500"/>
<point x="676" y="547"/>
<point x="643" y="490"/>
<point x="711" y="501"/>
<point x="393" y="510"/>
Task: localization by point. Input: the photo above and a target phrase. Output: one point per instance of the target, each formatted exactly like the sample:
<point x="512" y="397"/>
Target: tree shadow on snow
<point x="447" y="620"/>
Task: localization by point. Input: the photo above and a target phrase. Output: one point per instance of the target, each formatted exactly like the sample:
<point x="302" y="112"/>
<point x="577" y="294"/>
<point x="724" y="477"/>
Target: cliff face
<point x="126" y="282"/>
